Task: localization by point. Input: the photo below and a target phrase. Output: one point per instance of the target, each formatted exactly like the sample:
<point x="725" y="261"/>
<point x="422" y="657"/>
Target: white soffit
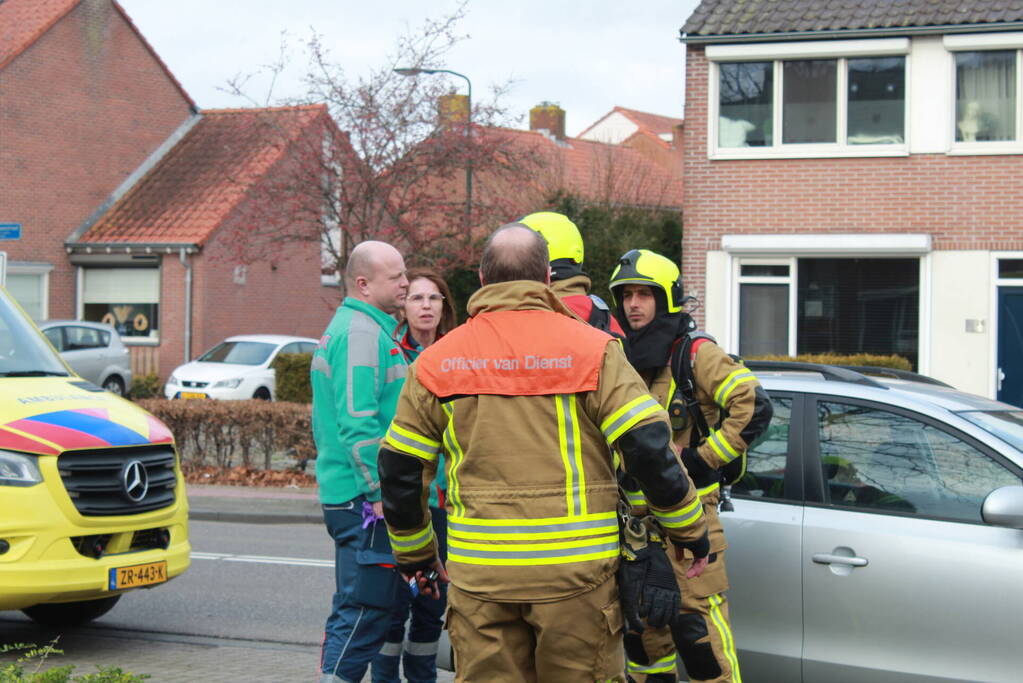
<point x="808" y="50"/>
<point x="872" y="243"/>
<point x="983" y="41"/>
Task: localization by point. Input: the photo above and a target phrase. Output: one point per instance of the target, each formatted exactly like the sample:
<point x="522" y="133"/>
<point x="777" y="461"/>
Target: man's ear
<point x="547" y="281"/>
<point x="483" y="282"/>
<point x="360" y="284"/>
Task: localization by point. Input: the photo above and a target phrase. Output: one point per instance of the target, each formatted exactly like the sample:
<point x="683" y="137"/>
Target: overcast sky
<point x="585" y="55"/>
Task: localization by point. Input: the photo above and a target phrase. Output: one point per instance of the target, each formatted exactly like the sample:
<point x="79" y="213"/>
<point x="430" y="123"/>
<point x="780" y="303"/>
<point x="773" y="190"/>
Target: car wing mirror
<point x="1004" y="507"/>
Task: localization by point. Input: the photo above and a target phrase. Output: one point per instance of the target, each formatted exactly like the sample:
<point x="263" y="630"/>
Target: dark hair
<point x="448" y="320"/>
<point x="514" y="252"/>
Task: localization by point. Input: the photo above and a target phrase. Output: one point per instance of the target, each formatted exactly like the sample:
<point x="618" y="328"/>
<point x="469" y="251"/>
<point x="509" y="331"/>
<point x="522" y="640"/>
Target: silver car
<point x="877" y="534"/>
<point x="93" y="350"/>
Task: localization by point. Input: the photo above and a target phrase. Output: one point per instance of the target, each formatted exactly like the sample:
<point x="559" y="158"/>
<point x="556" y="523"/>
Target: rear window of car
<point x="1007" y="425"/>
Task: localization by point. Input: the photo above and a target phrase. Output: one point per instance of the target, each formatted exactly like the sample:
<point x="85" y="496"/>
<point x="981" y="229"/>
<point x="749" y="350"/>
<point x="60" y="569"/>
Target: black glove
<point x="701" y="474"/>
<point x="647" y="586"/>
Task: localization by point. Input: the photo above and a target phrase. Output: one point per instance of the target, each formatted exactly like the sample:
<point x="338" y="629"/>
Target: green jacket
<point x="357" y="373"/>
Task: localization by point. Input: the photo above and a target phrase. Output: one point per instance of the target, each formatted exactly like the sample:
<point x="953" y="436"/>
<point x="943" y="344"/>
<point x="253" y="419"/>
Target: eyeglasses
<point x="434" y="299"/>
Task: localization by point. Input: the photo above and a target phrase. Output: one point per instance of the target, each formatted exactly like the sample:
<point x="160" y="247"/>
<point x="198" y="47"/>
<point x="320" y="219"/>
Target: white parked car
<point x="236" y="368"/>
<point x="93" y="350"/>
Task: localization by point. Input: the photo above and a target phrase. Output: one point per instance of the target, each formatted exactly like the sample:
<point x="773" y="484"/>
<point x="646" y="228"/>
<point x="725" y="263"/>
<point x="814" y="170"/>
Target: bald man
<point x="357" y="373"/>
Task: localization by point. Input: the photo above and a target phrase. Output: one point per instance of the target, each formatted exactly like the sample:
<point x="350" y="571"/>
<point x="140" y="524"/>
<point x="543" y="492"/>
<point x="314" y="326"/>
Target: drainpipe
<point x="183" y="254"/>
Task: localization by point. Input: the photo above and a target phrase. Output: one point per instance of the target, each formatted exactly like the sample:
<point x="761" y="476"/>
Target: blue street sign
<point x="10" y="231"/>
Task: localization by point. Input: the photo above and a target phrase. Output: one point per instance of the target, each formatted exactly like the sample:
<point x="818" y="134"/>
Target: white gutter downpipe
<point x="183" y="254"/>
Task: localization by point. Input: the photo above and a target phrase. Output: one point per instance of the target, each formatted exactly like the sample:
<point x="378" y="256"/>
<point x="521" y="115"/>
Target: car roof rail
<point x="833" y="373"/>
<point x="895" y="373"/>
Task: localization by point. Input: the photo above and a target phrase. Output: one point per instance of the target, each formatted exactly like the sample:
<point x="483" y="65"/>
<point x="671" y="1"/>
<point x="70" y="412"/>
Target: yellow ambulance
<point x="92" y="501"/>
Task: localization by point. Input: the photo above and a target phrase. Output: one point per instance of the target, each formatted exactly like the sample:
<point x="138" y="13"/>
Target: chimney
<point x="452" y="109"/>
<point x="550" y="117"/>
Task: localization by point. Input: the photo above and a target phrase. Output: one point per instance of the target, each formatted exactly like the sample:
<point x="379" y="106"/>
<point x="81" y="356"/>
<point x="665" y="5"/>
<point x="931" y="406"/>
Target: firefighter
<point x="524" y="401"/>
<point x="728" y="410"/>
<point x="565" y="247"/>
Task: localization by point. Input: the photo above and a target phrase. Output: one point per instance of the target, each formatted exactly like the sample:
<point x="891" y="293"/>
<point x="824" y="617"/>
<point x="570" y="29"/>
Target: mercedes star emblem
<point x="134" y="480"/>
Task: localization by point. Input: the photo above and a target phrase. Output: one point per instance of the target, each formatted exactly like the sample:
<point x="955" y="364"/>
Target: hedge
<point x="292" y="377"/>
<point x="230" y="433"/>
<point x="863" y="359"/>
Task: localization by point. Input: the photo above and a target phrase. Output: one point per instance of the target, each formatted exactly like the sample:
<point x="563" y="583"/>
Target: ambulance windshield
<point x="23" y="351"/>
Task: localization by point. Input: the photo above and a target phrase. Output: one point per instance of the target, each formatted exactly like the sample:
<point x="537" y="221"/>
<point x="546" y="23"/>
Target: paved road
<point x="250" y="608"/>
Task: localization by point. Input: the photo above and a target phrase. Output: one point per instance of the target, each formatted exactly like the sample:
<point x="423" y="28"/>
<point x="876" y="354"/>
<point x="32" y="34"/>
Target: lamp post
<point x="415" y="71"/>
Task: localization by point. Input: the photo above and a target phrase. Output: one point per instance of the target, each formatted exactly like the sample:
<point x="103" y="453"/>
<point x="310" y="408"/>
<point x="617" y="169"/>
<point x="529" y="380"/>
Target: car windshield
<point x="1007" y="425"/>
<point x="23" y="351"/>
<point x="240" y="352"/>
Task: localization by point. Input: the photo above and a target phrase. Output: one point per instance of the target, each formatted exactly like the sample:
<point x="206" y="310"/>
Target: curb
<point x="254" y="518"/>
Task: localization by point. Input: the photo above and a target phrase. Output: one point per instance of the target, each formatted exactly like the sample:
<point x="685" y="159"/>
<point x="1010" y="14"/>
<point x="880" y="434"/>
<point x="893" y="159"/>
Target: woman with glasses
<point x="429" y="314"/>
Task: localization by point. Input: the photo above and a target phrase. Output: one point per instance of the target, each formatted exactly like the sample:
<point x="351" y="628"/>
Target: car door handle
<point x="828" y="558"/>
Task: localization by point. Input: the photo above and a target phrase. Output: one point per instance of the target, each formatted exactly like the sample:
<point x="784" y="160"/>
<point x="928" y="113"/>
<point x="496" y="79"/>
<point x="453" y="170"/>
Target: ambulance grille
<point x="119" y="481"/>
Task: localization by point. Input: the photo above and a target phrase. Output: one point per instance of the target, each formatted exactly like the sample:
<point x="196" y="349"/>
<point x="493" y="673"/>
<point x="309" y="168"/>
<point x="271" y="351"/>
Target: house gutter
<point x="837" y="34"/>
<point x="183" y="255"/>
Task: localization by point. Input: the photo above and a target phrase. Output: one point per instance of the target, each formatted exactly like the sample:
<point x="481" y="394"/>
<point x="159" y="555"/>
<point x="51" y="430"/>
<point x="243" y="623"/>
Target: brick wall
<point x="80" y="109"/>
<point x="963" y="202"/>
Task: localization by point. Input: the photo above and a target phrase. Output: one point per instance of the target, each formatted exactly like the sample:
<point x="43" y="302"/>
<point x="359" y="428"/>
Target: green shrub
<point x="292" y="373"/>
<point x="230" y="433"/>
<point x="893" y="361"/>
<point x="34" y="658"/>
<point x="145" y="386"/>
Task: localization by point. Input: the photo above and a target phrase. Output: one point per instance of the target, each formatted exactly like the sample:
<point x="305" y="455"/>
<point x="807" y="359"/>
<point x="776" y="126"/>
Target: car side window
<point x="767" y="456"/>
<point x="307" y="347"/>
<point x="55" y="337"/>
<point x="291" y="348"/>
<point x="78" y="338"/>
<point x="878" y="460"/>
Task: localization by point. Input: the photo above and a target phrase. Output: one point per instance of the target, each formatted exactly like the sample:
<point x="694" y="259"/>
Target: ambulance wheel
<point x="70" y="613"/>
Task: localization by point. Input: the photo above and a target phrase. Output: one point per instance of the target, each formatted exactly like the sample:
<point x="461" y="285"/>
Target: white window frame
<point x="777" y="53"/>
<point x="982" y="43"/>
<point x="32" y="268"/>
<point x="996" y="283"/>
<point x="787" y="249"/>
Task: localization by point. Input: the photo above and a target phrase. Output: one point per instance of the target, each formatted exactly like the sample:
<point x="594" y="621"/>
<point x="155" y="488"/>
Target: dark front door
<point x="1010" y="345"/>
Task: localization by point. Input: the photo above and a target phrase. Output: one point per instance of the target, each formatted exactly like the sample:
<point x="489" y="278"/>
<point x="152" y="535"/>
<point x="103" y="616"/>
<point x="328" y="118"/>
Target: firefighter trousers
<point x="575" y="640"/>
<point x="701" y="634"/>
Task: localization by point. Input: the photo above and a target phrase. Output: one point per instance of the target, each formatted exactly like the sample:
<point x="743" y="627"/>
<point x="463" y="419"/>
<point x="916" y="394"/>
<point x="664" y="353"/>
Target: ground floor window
<point x="821" y="305"/>
<point x="29" y="285"/>
<point x="126" y="298"/>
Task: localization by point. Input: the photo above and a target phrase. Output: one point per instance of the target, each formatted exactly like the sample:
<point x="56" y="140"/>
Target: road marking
<point x="263" y="559"/>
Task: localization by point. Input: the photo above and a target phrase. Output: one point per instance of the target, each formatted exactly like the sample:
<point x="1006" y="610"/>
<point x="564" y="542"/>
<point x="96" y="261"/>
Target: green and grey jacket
<point x="357" y="373"/>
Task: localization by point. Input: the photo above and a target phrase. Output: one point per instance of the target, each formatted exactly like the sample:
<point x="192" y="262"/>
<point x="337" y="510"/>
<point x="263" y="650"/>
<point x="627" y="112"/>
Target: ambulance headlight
<point x="17" y="469"/>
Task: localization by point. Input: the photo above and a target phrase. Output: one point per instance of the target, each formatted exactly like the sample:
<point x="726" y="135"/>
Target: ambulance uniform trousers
<point x="417" y="653"/>
<point x="574" y="640"/>
<point x="702" y="634"/>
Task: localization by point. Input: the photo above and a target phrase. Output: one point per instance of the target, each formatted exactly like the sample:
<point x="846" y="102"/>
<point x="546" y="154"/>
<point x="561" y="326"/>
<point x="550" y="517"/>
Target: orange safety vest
<point x="514" y="353"/>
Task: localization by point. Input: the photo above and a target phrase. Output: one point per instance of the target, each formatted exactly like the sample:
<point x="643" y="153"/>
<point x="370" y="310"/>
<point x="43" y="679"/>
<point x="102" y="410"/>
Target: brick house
<point x="134" y="205"/>
<point x="853" y="181"/>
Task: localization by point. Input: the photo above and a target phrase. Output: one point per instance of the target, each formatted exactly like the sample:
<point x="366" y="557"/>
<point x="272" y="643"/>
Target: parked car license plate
<point x="138" y="575"/>
<point x="192" y="394"/>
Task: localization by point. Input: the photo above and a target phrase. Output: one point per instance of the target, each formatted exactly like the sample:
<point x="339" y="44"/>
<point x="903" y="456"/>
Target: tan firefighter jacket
<point x="525" y="402"/>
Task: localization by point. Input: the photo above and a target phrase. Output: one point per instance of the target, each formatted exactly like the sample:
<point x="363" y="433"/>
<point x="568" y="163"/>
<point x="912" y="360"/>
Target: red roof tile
<point x="195" y="187"/>
<point x="600" y="171"/>
<point x="22" y="22"/>
<point x="653" y="123"/>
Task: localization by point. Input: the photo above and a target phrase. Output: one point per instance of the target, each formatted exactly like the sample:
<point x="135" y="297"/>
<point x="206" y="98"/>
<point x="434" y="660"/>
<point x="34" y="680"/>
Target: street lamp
<point x="415" y="71"/>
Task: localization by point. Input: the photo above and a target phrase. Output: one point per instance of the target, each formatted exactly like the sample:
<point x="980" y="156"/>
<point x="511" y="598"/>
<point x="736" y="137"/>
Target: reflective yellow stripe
<point x="734" y="379"/>
<point x="571" y="453"/>
<point x="722" y="447"/>
<point x="681" y="518"/>
<point x="414" y="541"/>
<point x="727" y="642"/>
<point x="532" y="529"/>
<point x="405" y="441"/>
<point x="626" y="416"/>
<point x="458" y="455"/>
<point x="708" y="489"/>
<point x="671" y="393"/>
<point x="663" y="665"/>
<point x="525" y="554"/>
<point x="636" y="498"/>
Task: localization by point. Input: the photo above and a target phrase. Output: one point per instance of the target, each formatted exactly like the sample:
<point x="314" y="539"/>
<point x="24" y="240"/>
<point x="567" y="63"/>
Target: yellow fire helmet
<point x="644" y="267"/>
<point x="563" y="238"/>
